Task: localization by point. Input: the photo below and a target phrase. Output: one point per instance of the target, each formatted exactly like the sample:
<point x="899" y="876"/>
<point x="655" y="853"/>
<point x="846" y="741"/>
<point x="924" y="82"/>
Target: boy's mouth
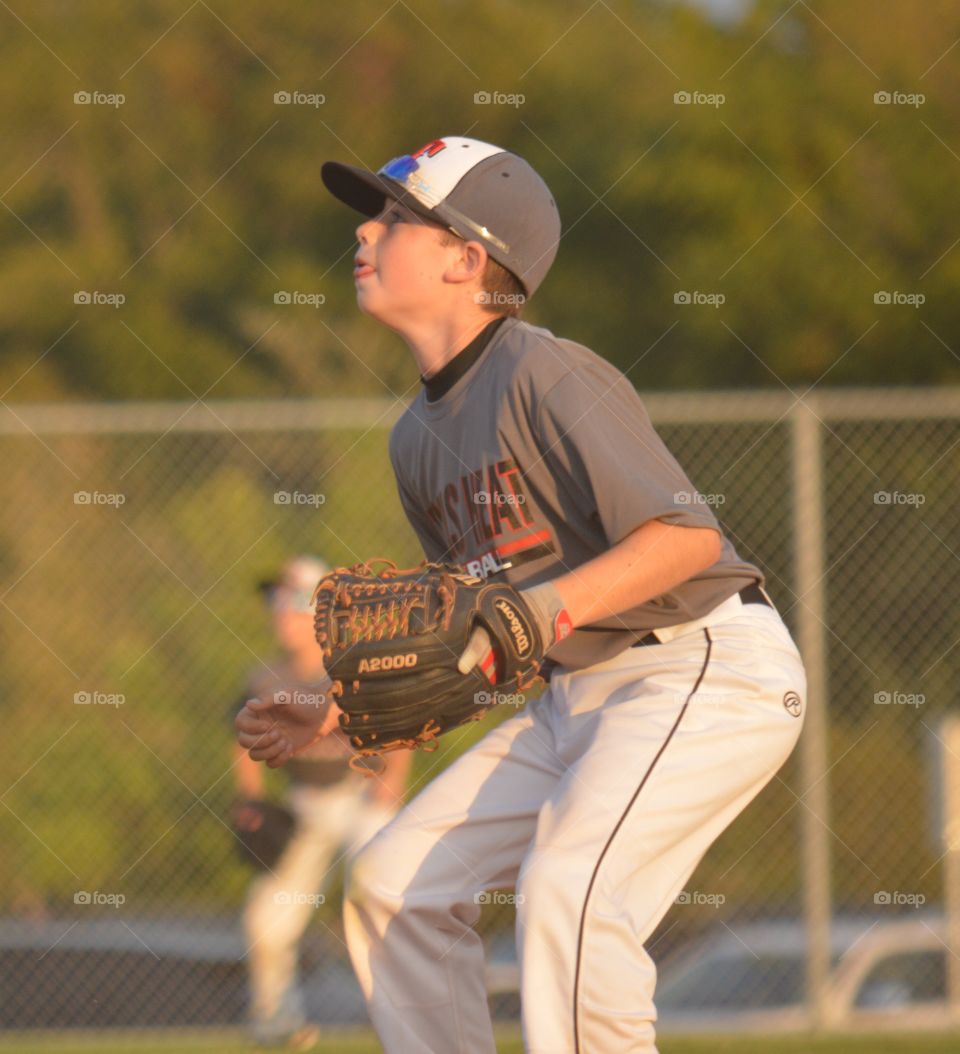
<point x="361" y="268"/>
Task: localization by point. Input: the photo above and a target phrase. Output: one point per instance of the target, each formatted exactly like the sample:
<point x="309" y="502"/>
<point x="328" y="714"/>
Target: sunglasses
<point x="400" y="168"/>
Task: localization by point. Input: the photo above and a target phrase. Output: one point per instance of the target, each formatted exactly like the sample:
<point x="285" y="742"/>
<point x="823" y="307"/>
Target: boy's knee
<point x="551" y="885"/>
<point x="370" y="871"/>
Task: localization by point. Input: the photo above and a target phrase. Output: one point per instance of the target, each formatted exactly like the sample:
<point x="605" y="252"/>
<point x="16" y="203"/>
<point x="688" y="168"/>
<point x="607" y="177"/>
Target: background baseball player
<point x="674" y="699"/>
<point x="335" y="810"/>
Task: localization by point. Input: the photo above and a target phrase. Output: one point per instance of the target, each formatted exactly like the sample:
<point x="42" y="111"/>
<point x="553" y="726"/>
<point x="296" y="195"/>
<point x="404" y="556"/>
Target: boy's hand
<point x="273" y="732"/>
<point x="545" y="606"/>
<point x="479" y="652"/>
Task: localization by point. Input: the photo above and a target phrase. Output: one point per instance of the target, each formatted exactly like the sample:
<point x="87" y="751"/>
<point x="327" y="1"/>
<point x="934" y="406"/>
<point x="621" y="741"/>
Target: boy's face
<point x="400" y="265"/>
<point x="294" y="631"/>
<point x="292" y="617"/>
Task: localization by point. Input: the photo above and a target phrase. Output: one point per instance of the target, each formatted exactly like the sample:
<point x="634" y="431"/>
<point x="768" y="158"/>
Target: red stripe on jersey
<point x="530" y="542"/>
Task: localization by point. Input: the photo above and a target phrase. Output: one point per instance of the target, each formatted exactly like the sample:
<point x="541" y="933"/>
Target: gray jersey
<point x="539" y="458"/>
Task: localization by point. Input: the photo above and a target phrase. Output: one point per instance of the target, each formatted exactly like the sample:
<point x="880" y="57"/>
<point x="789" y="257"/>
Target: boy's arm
<point x="651" y="560"/>
<point x="598" y="443"/>
<point x="247" y="774"/>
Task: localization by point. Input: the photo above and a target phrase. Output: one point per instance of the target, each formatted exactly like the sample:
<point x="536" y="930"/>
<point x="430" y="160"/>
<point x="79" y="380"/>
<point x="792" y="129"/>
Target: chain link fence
<point x="133" y="537"/>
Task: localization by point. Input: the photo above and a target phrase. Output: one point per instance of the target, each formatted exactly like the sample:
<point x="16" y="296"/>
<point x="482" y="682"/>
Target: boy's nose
<point x="363" y="231"/>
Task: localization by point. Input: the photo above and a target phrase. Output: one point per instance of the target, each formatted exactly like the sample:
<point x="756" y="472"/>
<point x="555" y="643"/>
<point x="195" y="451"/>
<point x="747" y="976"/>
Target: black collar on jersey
<point x="447" y="376"/>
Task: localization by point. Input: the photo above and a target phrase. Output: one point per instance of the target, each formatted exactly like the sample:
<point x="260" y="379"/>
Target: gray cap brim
<point x="367" y="192"/>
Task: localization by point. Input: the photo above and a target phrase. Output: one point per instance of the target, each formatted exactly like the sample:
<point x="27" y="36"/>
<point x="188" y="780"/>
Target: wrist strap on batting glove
<point x="553" y="619"/>
<point x="515" y="631"/>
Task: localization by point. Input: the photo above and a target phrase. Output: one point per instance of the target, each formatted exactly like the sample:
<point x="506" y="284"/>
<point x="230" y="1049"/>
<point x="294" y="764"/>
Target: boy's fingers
<point x="478" y="651"/>
<point x="281" y="759"/>
<point x="269" y="751"/>
<point x="257" y="739"/>
<point x="258" y="733"/>
<point x="253" y="710"/>
<point x="246" y="722"/>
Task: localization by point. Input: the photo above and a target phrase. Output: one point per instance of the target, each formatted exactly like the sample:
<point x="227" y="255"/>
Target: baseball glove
<point x="262" y="830"/>
<point x="391" y="640"/>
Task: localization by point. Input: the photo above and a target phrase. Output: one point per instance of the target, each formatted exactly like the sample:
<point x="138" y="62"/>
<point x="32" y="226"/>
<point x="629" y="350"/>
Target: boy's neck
<point x="437" y="342"/>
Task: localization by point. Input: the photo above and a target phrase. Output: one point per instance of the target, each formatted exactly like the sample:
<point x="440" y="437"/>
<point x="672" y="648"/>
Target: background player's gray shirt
<point x="541" y="457"/>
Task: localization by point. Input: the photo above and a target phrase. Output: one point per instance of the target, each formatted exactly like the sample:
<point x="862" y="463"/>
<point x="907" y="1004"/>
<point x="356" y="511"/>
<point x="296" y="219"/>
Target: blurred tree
<point x="797" y="198"/>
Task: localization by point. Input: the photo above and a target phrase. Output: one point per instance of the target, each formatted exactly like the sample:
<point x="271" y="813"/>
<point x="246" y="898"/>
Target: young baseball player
<point x="675" y="690"/>
<point x="335" y="808"/>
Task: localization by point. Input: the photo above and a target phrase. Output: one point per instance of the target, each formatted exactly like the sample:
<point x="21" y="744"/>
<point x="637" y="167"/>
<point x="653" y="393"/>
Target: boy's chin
<point x="379" y="312"/>
<point x="369" y="308"/>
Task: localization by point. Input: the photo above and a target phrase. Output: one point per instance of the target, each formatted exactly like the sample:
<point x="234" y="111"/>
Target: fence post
<point x="809" y="543"/>
<point x="948" y="743"/>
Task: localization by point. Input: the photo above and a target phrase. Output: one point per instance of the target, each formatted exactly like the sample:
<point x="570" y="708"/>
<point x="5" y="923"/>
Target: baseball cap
<point x="479" y="191"/>
<point x="293" y="586"/>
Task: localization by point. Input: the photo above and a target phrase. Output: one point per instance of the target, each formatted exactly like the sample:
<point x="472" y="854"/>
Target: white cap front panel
<point x="436" y="168"/>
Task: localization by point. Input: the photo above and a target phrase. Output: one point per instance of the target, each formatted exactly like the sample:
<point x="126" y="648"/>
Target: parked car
<point x="883" y="972"/>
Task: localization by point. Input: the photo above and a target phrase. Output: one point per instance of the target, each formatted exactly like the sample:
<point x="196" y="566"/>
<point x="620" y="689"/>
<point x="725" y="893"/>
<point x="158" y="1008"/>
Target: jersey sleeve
<point x="598" y="442"/>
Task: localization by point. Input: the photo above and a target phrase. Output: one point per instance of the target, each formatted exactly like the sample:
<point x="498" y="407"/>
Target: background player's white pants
<point x="596" y="803"/>
<point x="331" y="821"/>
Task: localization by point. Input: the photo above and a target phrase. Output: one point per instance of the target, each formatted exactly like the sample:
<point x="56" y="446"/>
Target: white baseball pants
<point x="331" y="821"/>
<point x="595" y="804"/>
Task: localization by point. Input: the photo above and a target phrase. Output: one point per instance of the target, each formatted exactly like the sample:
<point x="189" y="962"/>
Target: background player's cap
<point x="293" y="587"/>
<point x="479" y="191"/>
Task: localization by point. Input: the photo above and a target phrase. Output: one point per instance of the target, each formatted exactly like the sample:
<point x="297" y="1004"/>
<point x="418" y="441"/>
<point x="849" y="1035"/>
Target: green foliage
<point x="798" y="198"/>
<point x="155" y="601"/>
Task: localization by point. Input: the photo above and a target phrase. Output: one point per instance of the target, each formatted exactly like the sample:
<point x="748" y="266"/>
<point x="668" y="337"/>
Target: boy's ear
<point x="469" y="263"/>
